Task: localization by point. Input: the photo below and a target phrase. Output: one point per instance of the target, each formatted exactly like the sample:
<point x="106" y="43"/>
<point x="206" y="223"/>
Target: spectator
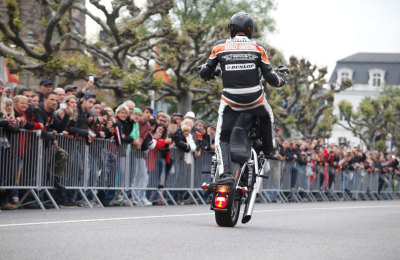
<point x="70" y="90"/>
<point x="160" y="144"/>
<point x="135" y="134"/>
<point x="24" y="114"/>
<point x="79" y="127"/>
<point x="7" y="119"/>
<point x="211" y="132"/>
<point x="110" y="112"/>
<point x="184" y="141"/>
<point x="131" y="105"/>
<point x="8" y="92"/>
<point x="140" y="179"/>
<point x="60" y="95"/>
<point x="7" y="107"/>
<point x="70" y="111"/>
<point x="124" y="124"/>
<point x="190" y="115"/>
<point x="27" y="93"/>
<point x="162" y="119"/>
<point x="45" y="86"/>
<point x="35" y="100"/>
<point x="177" y="117"/>
<point x="97" y="109"/>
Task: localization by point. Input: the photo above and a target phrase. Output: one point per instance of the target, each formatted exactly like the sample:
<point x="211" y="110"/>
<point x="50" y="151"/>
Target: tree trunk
<point x="185" y="102"/>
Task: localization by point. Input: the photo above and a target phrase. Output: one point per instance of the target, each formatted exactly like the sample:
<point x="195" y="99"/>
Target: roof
<point x="361" y="63"/>
<point x="373" y="57"/>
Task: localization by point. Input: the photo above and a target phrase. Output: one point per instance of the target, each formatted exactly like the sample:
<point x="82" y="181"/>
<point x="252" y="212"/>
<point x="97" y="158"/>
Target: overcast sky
<point x="324" y="31"/>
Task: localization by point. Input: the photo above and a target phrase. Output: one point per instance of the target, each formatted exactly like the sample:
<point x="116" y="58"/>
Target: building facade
<point x="370" y="73"/>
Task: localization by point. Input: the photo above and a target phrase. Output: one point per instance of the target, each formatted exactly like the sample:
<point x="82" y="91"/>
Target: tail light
<point x="220" y="201"/>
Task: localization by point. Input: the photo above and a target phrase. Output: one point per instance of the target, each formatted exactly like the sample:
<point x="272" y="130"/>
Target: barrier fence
<point x="103" y="169"/>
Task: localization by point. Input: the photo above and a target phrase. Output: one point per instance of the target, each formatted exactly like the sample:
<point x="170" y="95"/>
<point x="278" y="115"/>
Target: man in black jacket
<point x="51" y="126"/>
<point x="45" y="115"/>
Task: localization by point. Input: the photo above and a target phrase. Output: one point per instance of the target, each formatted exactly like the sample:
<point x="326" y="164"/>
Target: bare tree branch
<point x="20" y="43"/>
<point x="53" y="22"/>
<point x="97" y="19"/>
<point x="18" y="56"/>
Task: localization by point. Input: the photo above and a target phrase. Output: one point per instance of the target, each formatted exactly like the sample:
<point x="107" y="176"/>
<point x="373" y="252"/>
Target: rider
<point x="241" y="59"/>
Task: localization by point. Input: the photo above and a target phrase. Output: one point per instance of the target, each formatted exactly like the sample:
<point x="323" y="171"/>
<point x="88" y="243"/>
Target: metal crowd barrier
<point x="103" y="168"/>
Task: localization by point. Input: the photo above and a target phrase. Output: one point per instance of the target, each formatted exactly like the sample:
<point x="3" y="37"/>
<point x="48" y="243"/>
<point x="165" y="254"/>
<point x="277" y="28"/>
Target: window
<point x="376" y="77"/>
<point x="376" y="80"/>
<point x="342" y="140"/>
<point x="344" y="73"/>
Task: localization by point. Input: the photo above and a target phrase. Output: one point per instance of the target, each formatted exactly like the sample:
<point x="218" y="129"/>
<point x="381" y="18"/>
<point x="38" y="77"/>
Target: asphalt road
<point x="342" y="230"/>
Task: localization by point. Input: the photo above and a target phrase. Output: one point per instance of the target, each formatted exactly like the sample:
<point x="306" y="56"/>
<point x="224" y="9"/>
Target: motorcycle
<point x="248" y="165"/>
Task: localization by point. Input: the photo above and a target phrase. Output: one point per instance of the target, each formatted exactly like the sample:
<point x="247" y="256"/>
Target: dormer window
<point x="344" y="73"/>
<point x="376" y="77"/>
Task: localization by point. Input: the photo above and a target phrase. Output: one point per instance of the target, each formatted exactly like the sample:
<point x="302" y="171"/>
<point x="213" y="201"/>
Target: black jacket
<point x="125" y="128"/>
<point x="79" y="127"/>
<point x="241" y="61"/>
<point x="50" y="122"/>
<point x="180" y="141"/>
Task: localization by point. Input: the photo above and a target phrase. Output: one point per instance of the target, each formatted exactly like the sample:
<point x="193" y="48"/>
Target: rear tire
<point x="230" y="217"/>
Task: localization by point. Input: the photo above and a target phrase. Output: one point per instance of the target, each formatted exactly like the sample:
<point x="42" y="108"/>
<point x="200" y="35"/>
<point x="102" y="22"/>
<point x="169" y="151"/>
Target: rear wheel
<point x="230" y="217"/>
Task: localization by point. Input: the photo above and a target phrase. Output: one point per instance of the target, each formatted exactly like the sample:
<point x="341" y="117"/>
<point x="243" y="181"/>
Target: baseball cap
<point x="137" y="110"/>
<point x="177" y="114"/>
<point x="70" y="88"/>
<point x="89" y="95"/>
<point x="45" y="82"/>
<point x="190" y="114"/>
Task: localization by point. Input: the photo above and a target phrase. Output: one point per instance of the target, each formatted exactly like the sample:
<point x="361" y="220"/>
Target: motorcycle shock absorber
<point x="250" y="167"/>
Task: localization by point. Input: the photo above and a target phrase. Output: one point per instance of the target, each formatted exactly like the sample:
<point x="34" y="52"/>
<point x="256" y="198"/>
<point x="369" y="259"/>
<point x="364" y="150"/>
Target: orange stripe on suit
<point x="258" y="101"/>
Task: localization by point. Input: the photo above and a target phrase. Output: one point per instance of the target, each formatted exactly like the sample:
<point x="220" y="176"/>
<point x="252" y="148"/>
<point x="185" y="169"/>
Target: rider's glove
<point x="217" y="72"/>
<point x="283" y="69"/>
<point x="206" y="74"/>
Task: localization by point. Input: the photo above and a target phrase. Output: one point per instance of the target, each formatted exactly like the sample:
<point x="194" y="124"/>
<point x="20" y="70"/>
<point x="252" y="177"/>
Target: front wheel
<point x="230" y="217"/>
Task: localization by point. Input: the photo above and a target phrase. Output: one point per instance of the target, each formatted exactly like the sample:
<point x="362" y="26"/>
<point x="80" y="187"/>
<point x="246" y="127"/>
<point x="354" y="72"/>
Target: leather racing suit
<point x="241" y="59"/>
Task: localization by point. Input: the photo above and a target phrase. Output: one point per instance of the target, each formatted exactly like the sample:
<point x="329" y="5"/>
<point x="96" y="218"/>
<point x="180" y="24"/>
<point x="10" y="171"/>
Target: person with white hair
<point x="131" y="105"/>
<point x="60" y="95"/>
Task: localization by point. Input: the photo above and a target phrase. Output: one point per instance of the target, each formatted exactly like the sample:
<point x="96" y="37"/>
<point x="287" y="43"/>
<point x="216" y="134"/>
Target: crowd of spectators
<point x="79" y="115"/>
<point x="321" y="161"/>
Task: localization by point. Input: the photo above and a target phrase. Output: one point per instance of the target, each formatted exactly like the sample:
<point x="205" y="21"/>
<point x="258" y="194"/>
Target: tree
<point x="373" y="117"/>
<point x="126" y="39"/>
<point x="304" y="106"/>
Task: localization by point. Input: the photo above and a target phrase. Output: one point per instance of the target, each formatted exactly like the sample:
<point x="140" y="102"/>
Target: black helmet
<point x="241" y="22"/>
